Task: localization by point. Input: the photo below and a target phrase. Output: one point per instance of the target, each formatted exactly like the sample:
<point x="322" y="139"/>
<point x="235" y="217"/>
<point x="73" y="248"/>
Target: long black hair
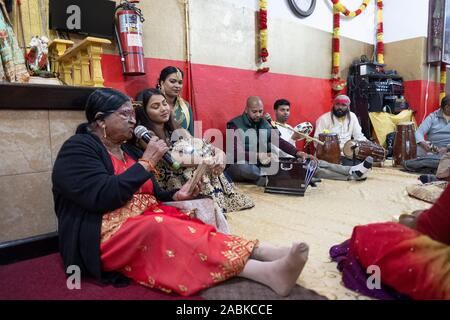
<point x="143" y="119"/>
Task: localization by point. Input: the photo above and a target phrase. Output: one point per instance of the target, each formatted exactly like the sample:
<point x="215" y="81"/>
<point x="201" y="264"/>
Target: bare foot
<point x="287" y="269"/>
<point x="417" y="213"/>
<point x="408" y="220"/>
<point x="266" y="252"/>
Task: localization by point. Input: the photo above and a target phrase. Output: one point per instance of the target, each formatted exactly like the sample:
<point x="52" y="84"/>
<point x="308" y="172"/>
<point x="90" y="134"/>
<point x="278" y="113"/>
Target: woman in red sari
<point x="110" y="215"/>
<point x="413" y="256"/>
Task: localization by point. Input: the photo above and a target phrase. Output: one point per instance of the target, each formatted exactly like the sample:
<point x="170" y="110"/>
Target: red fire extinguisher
<point x="128" y="29"/>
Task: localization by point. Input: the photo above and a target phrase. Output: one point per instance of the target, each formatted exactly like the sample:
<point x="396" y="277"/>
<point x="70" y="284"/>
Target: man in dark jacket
<point x="251" y="160"/>
<point x="249" y="141"/>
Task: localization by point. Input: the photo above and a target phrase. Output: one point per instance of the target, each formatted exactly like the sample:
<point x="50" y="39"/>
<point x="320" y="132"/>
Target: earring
<point x="104" y="131"/>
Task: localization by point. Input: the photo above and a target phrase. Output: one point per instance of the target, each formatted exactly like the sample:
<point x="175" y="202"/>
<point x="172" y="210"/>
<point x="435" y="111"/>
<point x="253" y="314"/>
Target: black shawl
<point x="85" y="188"/>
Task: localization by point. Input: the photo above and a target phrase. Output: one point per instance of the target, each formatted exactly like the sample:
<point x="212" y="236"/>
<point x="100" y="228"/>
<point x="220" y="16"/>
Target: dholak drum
<point x="330" y="150"/>
<point x="405" y="147"/>
<point x="362" y="149"/>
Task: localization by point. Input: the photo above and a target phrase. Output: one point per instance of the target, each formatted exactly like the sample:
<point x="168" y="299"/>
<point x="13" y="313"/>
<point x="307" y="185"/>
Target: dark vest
<point x="262" y="129"/>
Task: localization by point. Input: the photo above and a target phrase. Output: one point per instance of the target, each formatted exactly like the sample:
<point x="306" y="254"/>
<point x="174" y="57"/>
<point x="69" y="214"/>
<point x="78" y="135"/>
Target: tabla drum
<point x="405" y="147"/>
<point x="330" y="150"/>
<point x="362" y="149"/>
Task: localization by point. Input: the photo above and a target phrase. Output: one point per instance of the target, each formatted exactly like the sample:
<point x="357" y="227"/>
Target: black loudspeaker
<point x="373" y="91"/>
<point x="376" y="102"/>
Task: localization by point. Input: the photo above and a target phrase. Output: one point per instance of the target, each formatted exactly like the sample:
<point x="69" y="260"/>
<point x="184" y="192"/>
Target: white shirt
<point x="342" y="128"/>
<point x="285" y="135"/>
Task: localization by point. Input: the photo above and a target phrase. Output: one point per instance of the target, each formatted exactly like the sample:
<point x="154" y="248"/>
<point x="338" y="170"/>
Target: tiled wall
<point x="30" y="141"/>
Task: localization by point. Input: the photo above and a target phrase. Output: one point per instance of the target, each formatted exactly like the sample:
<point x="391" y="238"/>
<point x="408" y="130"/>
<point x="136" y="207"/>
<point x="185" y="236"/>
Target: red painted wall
<point x="415" y="94"/>
<point x="112" y="73"/>
<point x="220" y="93"/>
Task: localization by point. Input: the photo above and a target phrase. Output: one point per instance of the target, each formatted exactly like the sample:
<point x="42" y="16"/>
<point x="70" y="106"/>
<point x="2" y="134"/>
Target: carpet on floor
<point x="44" y="279"/>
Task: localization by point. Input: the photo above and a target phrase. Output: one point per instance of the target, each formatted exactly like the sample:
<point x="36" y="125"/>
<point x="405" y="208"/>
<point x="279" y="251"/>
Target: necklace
<point x="120" y="157"/>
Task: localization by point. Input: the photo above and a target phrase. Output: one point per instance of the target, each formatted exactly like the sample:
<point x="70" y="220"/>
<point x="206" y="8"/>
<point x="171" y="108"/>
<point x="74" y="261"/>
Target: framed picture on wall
<point x="446" y="37"/>
<point x="438" y="44"/>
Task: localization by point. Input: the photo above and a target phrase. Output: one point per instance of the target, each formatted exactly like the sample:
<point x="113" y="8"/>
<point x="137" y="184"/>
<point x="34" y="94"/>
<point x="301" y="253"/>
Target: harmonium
<point x="293" y="177"/>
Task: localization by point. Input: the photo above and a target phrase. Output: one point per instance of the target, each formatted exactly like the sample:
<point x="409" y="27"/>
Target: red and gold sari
<point x="415" y="263"/>
<point x="161" y="247"/>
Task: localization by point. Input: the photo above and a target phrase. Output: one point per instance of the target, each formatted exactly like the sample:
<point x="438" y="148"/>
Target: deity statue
<point x="37" y="58"/>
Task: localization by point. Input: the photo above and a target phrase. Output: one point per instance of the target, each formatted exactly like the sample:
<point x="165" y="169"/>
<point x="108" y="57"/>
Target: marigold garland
<point x="342" y="9"/>
<point x="443" y="81"/>
<point x="336" y="82"/>
<point x="263" y="34"/>
<point x="380" y="40"/>
<point x="336" y="43"/>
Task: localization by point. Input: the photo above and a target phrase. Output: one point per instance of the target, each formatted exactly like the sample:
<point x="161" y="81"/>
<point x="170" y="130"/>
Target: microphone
<point x="268" y="118"/>
<point x="141" y="132"/>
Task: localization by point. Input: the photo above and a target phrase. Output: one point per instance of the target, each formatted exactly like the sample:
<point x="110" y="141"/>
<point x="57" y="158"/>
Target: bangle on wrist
<point x="149" y="166"/>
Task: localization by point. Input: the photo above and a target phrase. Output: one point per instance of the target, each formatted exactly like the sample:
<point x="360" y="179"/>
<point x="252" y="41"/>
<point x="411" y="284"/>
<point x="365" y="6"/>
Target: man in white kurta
<point x="340" y="120"/>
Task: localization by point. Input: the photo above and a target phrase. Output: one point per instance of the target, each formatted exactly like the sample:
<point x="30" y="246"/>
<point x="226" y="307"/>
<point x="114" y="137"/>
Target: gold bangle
<point x="150" y="166"/>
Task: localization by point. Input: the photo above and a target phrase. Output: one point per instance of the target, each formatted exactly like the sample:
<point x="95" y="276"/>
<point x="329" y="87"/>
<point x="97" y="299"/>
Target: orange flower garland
<point x="336" y="43"/>
<point x="336" y="82"/>
<point x="380" y="42"/>
<point x="443" y="81"/>
<point x="342" y="9"/>
<point x="263" y="53"/>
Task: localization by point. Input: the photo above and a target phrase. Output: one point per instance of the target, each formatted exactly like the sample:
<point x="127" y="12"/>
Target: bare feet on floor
<point x="410" y="220"/>
<point x="287" y="269"/>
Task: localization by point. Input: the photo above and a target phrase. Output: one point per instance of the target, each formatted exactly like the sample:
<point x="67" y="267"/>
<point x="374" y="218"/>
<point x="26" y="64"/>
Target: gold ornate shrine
<point x="78" y="65"/>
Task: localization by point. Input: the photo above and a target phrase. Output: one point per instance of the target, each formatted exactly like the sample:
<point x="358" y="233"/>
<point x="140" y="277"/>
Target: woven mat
<point x="325" y="216"/>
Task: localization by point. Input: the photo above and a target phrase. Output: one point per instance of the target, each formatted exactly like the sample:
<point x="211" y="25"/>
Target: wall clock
<point x="302" y="8"/>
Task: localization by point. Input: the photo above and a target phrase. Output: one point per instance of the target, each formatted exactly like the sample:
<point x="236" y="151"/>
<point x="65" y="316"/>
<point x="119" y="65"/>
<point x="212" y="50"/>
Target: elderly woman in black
<point x="110" y="215"/>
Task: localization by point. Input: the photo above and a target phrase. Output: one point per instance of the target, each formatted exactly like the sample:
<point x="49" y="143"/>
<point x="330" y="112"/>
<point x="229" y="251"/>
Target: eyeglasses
<point x="126" y="114"/>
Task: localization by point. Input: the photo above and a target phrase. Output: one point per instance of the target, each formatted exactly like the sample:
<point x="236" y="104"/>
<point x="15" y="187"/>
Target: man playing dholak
<point x="260" y="148"/>
<point x="340" y="120"/>
<point x="325" y="170"/>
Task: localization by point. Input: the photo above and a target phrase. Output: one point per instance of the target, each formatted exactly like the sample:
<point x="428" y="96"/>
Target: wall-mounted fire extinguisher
<point x="128" y="29"/>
